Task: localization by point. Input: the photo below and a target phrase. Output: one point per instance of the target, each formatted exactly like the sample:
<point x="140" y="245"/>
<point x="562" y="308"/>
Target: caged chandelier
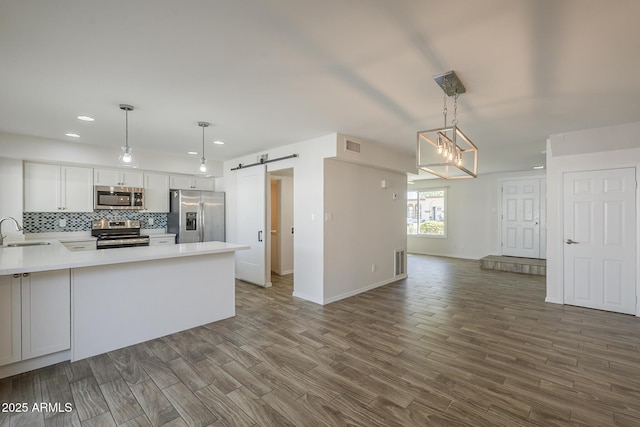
<point x="446" y="151"/>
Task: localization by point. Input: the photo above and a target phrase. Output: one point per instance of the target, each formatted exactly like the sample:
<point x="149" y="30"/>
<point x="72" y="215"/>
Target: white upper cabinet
<point x="115" y="177"/>
<point x="53" y="188"/>
<point x="187" y="182"/>
<point x="156" y="192"/>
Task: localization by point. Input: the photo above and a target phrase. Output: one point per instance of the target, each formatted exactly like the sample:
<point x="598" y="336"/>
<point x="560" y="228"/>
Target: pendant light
<point x="203" y="161"/>
<point x="126" y="157"/>
<point x="446" y="151"/>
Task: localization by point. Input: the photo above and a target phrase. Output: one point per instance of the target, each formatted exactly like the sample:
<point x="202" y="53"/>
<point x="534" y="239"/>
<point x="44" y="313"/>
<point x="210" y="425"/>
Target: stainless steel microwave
<point x="106" y="197"/>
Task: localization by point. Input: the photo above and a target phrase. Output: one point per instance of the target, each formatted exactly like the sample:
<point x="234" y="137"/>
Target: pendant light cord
<point x="126" y="128"/>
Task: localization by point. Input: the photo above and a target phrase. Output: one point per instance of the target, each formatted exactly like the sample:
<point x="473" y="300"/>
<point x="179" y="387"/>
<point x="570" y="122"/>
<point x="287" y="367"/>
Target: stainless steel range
<point x="118" y="233"/>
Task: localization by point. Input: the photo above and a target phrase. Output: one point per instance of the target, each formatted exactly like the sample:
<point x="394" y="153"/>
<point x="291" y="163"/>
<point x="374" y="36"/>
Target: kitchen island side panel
<point x="114" y="306"/>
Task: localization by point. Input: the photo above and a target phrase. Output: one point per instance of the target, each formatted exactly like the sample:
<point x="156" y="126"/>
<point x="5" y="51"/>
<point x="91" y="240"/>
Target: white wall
<point x="473" y="216"/>
<point x="375" y="155"/>
<point x="11" y="199"/>
<point x="566" y="153"/>
<point x="55" y="151"/>
<point x="364" y="225"/>
<point x="286" y="223"/>
<point x="312" y="188"/>
<point x="308" y="207"/>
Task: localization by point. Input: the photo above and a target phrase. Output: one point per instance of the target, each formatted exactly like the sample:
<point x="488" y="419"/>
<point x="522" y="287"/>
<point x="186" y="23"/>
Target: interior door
<point x="521" y="218"/>
<point x="600" y="239"/>
<point x="251" y="197"/>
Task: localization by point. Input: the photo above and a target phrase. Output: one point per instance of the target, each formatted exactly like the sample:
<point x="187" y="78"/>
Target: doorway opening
<point x="280" y="220"/>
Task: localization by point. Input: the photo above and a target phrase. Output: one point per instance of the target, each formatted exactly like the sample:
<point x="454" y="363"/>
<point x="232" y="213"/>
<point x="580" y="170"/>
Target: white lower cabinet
<point x="35" y="311"/>
<point x="10" y="328"/>
<point x="164" y="240"/>
<point x="83" y="245"/>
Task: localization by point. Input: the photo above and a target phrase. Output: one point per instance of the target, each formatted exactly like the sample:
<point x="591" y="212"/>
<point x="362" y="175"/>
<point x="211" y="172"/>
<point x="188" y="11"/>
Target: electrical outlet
<point x="62" y="222"/>
<point x="150" y="221"/>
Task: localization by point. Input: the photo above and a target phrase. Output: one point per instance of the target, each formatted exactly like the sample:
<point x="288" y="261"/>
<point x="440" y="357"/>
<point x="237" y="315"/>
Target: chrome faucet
<point x="18" y="227"/>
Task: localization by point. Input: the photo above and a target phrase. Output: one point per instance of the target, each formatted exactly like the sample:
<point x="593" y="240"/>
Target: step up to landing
<point x="515" y="264"/>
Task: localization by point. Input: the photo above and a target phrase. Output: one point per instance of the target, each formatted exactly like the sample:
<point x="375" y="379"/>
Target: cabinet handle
<point x="25" y="274"/>
<point x="260" y="236"/>
<point x="15" y="276"/>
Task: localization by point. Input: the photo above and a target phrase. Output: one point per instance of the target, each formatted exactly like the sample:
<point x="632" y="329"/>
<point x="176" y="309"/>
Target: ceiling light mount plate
<point x="203" y="124"/>
<point x="450" y="83"/>
<point x="126" y="107"/>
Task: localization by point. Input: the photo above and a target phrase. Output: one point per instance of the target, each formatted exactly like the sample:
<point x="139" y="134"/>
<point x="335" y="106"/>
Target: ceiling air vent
<point x="352" y="146"/>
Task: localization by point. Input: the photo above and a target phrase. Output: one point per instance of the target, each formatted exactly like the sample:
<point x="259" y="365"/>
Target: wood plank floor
<point x="450" y="345"/>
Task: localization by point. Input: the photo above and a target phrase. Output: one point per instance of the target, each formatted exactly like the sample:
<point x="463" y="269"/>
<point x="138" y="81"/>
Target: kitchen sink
<point x="21" y="244"/>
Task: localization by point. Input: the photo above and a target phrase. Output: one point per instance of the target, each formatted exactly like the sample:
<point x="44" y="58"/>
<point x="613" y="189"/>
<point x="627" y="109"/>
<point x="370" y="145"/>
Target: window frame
<point x="445" y="219"/>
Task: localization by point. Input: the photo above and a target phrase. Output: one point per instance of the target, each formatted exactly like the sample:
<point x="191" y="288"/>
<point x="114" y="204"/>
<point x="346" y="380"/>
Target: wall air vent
<point x="352" y="146"/>
<point x="400" y="262"/>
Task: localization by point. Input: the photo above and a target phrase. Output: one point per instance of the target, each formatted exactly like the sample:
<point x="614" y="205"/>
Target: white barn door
<point x="600" y="239"/>
<point x="251" y="265"/>
<point x="522" y="218"/>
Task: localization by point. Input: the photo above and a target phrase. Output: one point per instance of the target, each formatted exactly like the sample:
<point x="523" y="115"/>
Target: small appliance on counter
<point x="196" y="216"/>
<point x="118" y="233"/>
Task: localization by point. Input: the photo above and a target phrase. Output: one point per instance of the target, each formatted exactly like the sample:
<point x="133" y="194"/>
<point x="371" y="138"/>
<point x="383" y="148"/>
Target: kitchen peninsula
<point x="108" y="299"/>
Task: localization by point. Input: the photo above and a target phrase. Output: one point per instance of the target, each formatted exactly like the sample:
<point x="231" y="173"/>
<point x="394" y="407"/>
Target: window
<point x="426" y="212"/>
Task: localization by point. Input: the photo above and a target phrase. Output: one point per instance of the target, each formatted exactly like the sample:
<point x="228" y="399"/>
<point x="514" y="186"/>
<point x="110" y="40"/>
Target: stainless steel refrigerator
<point x="196" y="216"/>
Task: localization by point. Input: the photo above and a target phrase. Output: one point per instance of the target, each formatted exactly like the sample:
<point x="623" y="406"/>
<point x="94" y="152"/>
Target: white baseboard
<point x="363" y="289"/>
<point x="307" y="298"/>
<point x="35" y="363"/>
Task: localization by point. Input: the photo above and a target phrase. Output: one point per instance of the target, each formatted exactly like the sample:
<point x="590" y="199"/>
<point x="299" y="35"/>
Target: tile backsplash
<point x="49" y="222"/>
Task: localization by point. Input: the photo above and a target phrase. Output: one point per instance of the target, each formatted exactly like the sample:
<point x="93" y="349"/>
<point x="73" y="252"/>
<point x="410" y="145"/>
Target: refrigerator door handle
<point x="260" y="236"/>
<point x="202" y="222"/>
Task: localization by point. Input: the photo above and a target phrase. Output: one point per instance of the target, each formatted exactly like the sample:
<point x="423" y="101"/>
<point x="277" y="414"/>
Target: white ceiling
<point x="269" y="73"/>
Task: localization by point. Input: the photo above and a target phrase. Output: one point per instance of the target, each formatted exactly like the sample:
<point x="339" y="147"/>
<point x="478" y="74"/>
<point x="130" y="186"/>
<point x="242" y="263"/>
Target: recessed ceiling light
<point x="72" y="135"/>
<point x="192" y="152"/>
<point x="86" y="118"/>
<point x="538" y="167"/>
<point x="218" y="142"/>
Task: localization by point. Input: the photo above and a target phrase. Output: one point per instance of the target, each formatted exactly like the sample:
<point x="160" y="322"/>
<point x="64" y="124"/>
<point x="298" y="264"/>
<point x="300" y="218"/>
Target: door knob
<point x="570" y="242"/>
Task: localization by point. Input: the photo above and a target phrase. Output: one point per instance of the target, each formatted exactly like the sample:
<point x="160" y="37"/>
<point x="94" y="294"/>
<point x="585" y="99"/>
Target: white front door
<point x="251" y="264"/>
<point x="600" y="239"/>
<point x="521" y="218"/>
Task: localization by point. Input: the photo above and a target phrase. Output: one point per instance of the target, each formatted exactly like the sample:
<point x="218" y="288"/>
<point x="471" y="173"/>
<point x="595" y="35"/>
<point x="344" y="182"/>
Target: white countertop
<point x="30" y="259"/>
<point x="78" y="236"/>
